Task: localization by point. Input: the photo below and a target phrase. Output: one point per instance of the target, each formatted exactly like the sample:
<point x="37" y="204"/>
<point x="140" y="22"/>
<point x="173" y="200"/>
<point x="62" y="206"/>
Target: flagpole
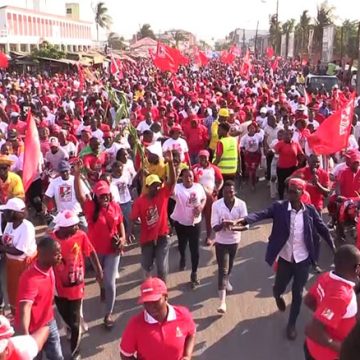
<point x="358" y="64"/>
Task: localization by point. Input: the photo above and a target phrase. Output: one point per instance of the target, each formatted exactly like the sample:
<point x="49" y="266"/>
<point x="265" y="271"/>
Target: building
<point x="24" y="24"/>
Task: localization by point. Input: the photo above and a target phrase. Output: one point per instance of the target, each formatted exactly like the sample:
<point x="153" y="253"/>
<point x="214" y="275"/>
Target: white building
<point x="24" y="24"/>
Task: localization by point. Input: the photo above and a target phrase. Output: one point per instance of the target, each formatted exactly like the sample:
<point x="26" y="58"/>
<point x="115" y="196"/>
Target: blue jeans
<point x="126" y="210"/>
<point x="52" y="347"/>
<point x="110" y="265"/>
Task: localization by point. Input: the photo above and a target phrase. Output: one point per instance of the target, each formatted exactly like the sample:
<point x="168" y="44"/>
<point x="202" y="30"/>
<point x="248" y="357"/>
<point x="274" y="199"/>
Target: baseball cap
<point x="176" y="127"/>
<point x="224" y="112"/>
<point x="152" y="289"/>
<point x="14" y="204"/>
<point x="101" y="188"/>
<point x="301" y="107"/>
<point x="6" y="331"/>
<point x="300" y="184"/>
<point x="151" y="179"/>
<point x="53" y="141"/>
<point x="204" y="153"/>
<point x="263" y="110"/>
<point x="64" y="166"/>
<point x="66" y="218"/>
<point x="14" y="114"/>
<point x="12" y="134"/>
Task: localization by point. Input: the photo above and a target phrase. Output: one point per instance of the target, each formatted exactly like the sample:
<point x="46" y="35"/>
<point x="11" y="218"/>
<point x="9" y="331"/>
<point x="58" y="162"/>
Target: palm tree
<point x="146" y="31"/>
<point x="286" y="28"/>
<point x="275" y="34"/>
<point x="304" y="26"/>
<point x="324" y="17"/>
<point x="178" y="37"/>
<point x="102" y="18"/>
<point x="116" y="42"/>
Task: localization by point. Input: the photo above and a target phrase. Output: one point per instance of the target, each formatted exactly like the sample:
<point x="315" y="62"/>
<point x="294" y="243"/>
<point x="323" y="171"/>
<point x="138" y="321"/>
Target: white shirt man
<point x="295" y="248"/>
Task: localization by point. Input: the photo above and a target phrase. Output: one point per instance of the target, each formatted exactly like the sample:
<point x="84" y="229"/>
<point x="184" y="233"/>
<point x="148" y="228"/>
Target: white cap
<point x="66" y="218"/>
<point x="263" y="110"/>
<point x="14" y="114"/>
<point x="301" y="107"/>
<point x="54" y="141"/>
<point x="14" y="204"/>
<point x="292" y="87"/>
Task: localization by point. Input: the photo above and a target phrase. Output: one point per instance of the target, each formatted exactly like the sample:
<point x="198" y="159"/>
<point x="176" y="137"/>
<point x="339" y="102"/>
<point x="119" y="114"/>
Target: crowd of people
<point x="200" y="134"/>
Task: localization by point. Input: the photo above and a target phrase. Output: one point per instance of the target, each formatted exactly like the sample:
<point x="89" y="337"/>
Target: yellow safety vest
<point x="214" y="135"/>
<point x="229" y="157"/>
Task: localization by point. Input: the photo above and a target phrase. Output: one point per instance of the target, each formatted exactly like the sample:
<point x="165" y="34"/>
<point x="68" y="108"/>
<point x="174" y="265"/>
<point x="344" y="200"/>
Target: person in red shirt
<point x="333" y="300"/>
<point x="197" y="139"/>
<point x="160" y="331"/>
<point x="35" y="297"/>
<point x="289" y="154"/>
<point x="69" y="275"/>
<point x="151" y="208"/>
<point x="96" y="161"/>
<point x="18" y="125"/>
<point x="12" y="106"/>
<point x="107" y="234"/>
<point x="348" y="184"/>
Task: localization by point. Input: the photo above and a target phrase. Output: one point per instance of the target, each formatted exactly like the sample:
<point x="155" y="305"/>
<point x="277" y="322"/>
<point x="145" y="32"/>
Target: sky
<point x="210" y="19"/>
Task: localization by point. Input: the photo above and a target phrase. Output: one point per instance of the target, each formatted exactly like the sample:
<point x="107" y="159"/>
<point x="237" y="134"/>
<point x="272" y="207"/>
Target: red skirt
<point x="252" y="160"/>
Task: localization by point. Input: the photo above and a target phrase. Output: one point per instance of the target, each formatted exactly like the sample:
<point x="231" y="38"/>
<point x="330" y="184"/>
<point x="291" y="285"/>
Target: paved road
<point x="251" y="329"/>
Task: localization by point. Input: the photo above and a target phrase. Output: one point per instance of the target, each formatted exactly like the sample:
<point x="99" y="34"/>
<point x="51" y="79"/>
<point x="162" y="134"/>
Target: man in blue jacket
<point x="296" y="228"/>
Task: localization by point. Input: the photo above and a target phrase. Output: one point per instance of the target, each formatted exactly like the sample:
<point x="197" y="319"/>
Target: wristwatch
<point x="330" y="341"/>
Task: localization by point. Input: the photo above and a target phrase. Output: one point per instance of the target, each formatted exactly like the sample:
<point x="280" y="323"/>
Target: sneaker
<point x="222" y="308"/>
<point x="84" y="325"/>
<point x="229" y="286"/>
<point x="194" y="280"/>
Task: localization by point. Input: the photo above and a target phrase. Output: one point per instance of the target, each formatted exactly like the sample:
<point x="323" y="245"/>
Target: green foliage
<point x="48" y="50"/>
<point x="116" y="42"/>
<point x="146" y="31"/>
<point x="102" y="18"/>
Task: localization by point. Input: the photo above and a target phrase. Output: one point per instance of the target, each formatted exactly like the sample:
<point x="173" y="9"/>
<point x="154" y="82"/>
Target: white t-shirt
<point x="70" y="148"/>
<point x="186" y="201"/>
<point x="122" y="184"/>
<point x="22" y="238"/>
<point x="112" y="151"/>
<point x="221" y="212"/>
<point x="180" y="145"/>
<point x="251" y="143"/>
<point x="64" y="193"/>
<point x="4" y="127"/>
<point x="25" y="346"/>
<point x="142" y="126"/>
<point x="98" y="134"/>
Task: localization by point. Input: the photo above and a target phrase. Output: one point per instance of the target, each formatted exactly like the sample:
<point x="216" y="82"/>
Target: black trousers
<point x="225" y="255"/>
<point x="307" y="353"/>
<point x="191" y="235"/>
<point x="34" y="195"/>
<point x="282" y="175"/>
<point x="170" y="209"/>
<point x="269" y="158"/>
<point x="299" y="272"/>
<point x="70" y="312"/>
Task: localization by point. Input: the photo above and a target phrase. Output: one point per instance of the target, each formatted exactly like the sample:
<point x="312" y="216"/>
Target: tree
<point x="275" y="33"/>
<point x="116" y="42"/>
<point x="180" y="36"/>
<point x="346" y="39"/>
<point x="303" y="31"/>
<point x="146" y="31"/>
<point x="204" y="45"/>
<point x="102" y="18"/>
<point x="286" y="28"/>
<point x="47" y="50"/>
<point x="324" y="17"/>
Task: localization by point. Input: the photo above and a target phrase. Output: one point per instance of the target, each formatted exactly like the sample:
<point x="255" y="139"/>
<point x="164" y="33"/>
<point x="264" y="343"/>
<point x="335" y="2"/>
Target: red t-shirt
<point x="288" y="153"/>
<point x="317" y="198"/>
<point x="69" y="275"/>
<point x="37" y="286"/>
<point x="196" y="138"/>
<point x="336" y="309"/>
<point x="349" y="183"/>
<point x="152" y="340"/>
<point x="106" y="226"/>
<point x="20" y="127"/>
<point x="95" y="163"/>
<point x="153" y="215"/>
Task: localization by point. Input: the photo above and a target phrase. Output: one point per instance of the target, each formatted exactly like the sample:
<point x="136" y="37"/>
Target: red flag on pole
<point x="269" y="52"/>
<point x="114" y="68"/>
<point x="333" y="134"/>
<point x="163" y="59"/>
<point x="32" y="152"/>
<point x="81" y="77"/>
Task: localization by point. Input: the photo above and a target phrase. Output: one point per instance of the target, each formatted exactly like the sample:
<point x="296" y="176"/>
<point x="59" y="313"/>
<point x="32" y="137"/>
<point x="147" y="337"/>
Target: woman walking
<point x="107" y="235"/>
<point x="190" y="200"/>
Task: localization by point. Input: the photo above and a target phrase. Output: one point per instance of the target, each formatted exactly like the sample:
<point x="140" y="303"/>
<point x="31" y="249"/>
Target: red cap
<point x="298" y="183"/>
<point x="108" y="134"/>
<point x="355" y="157"/>
<point x="101" y="188"/>
<point x="176" y="127"/>
<point x="152" y="289"/>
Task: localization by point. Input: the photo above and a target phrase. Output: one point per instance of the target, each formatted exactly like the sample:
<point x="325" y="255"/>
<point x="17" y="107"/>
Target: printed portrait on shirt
<point x="65" y="193"/>
<point x="152" y="215"/>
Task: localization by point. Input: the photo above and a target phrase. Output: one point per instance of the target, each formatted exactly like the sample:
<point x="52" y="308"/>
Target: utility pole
<point x="358" y="64"/>
<point x="243" y="40"/>
<point x="277" y="49"/>
<point x="256" y="38"/>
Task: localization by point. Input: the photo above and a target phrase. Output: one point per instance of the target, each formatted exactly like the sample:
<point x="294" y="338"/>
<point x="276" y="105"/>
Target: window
<point x="69" y="11"/>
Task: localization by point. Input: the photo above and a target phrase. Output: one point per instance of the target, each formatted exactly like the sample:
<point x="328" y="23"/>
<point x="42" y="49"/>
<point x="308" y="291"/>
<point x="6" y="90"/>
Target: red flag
<point x="275" y="64"/>
<point x="199" y="57"/>
<point x="32" y="153"/>
<point x="306" y="97"/>
<point x="4" y="61"/>
<point x="178" y="57"/>
<point x="235" y="51"/>
<point x="163" y="59"/>
<point x="269" y="52"/>
<point x="333" y="134"/>
<point x="114" y="68"/>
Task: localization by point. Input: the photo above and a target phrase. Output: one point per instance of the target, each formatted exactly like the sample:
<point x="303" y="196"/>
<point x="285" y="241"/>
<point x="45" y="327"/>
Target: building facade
<point x="26" y="26"/>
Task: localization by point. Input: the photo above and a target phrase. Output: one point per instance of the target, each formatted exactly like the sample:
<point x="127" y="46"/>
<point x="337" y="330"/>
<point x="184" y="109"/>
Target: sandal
<point x="109" y="322"/>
